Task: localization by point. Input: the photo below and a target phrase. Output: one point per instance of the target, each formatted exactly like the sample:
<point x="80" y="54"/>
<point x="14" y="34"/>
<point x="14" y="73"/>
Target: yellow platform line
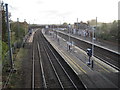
<point x="95" y="61"/>
<point x="72" y="61"/>
<point x="102" y="67"/>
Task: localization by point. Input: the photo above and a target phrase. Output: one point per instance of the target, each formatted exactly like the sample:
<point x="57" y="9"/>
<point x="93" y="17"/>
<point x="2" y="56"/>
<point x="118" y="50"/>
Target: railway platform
<point x="110" y="46"/>
<point x="100" y="76"/>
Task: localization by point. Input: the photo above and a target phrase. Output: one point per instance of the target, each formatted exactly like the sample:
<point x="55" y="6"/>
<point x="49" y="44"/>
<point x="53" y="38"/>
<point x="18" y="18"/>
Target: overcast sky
<point x="59" y="11"/>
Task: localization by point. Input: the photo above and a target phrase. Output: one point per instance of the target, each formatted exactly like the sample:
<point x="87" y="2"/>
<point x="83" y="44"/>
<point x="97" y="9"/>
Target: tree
<point x="65" y="24"/>
<point x="4" y="27"/>
<point x="114" y="30"/>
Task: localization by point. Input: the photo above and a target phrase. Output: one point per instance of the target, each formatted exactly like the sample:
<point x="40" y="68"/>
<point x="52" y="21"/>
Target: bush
<point x="4" y="49"/>
<point x="108" y="31"/>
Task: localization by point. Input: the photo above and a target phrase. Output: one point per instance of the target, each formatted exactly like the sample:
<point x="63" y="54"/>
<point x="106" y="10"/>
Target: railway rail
<point x="49" y="68"/>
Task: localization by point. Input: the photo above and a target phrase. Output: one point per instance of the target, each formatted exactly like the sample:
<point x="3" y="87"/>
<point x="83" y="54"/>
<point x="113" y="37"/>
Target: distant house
<point x="81" y="25"/>
<point x="83" y="29"/>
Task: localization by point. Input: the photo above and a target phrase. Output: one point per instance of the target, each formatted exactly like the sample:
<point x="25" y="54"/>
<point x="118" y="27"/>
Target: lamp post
<point x="69" y="26"/>
<point x="93" y="37"/>
<point x="53" y="31"/>
<point x="9" y="39"/>
<point x="77" y="26"/>
<point x="18" y="28"/>
<point x="56" y="31"/>
<point x="93" y="41"/>
<point x="25" y="25"/>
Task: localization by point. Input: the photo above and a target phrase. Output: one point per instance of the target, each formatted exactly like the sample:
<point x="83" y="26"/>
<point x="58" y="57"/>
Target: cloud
<point x="67" y="13"/>
<point x="57" y="10"/>
<point x="51" y="11"/>
<point x="39" y="2"/>
<point x="13" y="8"/>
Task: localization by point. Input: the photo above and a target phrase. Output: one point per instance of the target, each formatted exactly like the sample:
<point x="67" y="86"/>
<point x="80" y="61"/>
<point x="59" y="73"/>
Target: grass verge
<point x="16" y="78"/>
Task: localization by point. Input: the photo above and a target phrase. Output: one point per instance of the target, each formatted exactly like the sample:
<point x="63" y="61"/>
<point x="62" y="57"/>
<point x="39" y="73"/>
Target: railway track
<point x="38" y="77"/>
<point x="49" y="69"/>
<point x="109" y="57"/>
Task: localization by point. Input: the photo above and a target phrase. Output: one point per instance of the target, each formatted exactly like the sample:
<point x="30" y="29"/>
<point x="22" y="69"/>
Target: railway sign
<point x="89" y="52"/>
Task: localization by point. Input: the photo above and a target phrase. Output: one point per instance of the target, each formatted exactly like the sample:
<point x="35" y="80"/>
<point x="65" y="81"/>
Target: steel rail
<point x="33" y="73"/>
<point x="41" y="64"/>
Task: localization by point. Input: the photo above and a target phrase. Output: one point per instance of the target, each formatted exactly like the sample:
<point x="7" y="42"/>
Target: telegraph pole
<point x="69" y="32"/>
<point x="9" y="39"/>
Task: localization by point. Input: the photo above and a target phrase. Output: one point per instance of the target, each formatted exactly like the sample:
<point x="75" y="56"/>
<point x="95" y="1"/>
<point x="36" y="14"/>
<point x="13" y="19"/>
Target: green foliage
<point x="114" y="29"/>
<point x="15" y="35"/>
<point x="108" y="31"/>
<point x="4" y="28"/>
<point x="0" y="50"/>
<point x="4" y="49"/>
<point x="65" y="24"/>
<point x="19" y="30"/>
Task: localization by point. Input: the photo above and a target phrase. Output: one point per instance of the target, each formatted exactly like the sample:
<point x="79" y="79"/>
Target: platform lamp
<point x="93" y="38"/>
<point x="69" y="27"/>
